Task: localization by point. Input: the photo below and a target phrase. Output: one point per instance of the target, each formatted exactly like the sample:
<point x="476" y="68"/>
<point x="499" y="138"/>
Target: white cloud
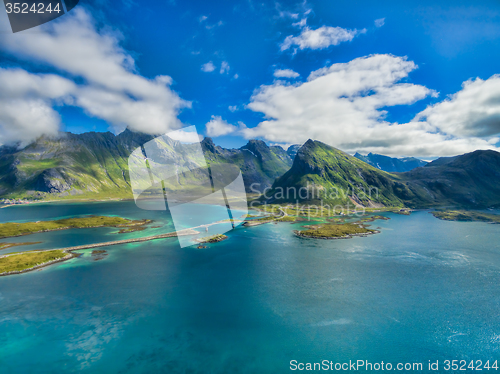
<point x="285" y="13"/>
<point x="286" y="73"/>
<point x="202" y="19"/>
<point x="111" y="88"/>
<point x="218" y="127"/>
<point x="473" y="111"/>
<point x="236" y="76"/>
<point x="301" y="23"/>
<point x="380" y="22"/>
<point x="17" y="118"/>
<point x="233" y="108"/>
<point x="224" y="67"/>
<point x="185" y="135"/>
<point x="208" y="67"/>
<point x="26" y="104"/>
<point x="342" y="105"/>
<point x="323" y="37"/>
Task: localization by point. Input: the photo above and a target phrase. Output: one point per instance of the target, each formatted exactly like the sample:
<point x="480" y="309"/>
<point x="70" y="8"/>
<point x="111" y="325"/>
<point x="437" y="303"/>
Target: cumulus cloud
<point x="208" y="67"/>
<point x="380" y="22"/>
<point x="343" y="105"/>
<point x="24" y="120"/>
<point x="109" y="86"/>
<point x="26" y="102"/>
<point x="286" y="73"/>
<point x="323" y="37"/>
<point x="473" y="111"/>
<point x="218" y="127"/>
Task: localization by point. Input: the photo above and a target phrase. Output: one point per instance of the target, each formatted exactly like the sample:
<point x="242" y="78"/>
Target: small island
<point x="334" y="231"/>
<point x="373" y="218"/>
<point x="466" y="216"/>
<point x="129" y="229"/>
<point x="212" y="239"/>
<point x="12" y="229"/>
<point x="99" y="254"/>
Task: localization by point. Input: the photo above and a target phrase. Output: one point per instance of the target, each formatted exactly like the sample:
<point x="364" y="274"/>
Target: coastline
<point x="65" y="258"/>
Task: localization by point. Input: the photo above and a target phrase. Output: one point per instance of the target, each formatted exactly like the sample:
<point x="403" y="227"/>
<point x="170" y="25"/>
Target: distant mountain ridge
<point x="292" y="150"/>
<point x="391" y="164"/>
<point x="260" y="164"/>
<point x="470" y="180"/>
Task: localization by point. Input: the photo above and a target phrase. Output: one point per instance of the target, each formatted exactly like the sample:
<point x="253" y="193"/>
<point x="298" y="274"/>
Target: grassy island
<point x="374" y="218"/>
<point x="28" y="260"/>
<point x="11" y="229"/>
<point x="212" y="239"/>
<point x="334" y="231"/>
<point x="130" y="229"/>
<point x="466" y="216"/>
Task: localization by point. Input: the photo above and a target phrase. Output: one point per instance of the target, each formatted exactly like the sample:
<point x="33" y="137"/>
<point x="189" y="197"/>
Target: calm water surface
<point x="422" y="290"/>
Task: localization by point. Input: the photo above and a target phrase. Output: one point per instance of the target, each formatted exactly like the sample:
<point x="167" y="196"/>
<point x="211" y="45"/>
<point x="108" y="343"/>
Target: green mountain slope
<point x="471" y="180"/>
<point x="70" y="165"/>
<point x="335" y="177"/>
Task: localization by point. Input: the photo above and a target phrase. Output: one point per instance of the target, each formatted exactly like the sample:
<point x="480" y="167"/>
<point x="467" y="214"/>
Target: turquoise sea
<point x="423" y="289"/>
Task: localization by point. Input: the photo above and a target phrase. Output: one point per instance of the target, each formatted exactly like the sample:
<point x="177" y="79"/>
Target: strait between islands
<point x="333" y="228"/>
<point x="22" y="262"/>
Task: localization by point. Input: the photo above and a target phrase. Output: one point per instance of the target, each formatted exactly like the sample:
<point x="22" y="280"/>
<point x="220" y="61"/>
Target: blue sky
<point x="223" y="57"/>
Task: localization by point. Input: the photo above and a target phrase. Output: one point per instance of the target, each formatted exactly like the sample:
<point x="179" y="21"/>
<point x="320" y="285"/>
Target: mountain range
<point x="95" y="165"/>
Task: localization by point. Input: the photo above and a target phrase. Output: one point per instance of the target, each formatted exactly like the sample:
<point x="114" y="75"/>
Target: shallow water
<point x="422" y="289"/>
